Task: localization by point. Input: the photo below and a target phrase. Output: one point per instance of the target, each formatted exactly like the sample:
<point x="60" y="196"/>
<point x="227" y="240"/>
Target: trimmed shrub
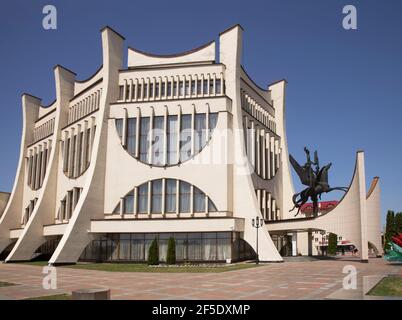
<point x="171" y="251"/>
<point x="153" y="253"/>
<point x="332" y="244"/>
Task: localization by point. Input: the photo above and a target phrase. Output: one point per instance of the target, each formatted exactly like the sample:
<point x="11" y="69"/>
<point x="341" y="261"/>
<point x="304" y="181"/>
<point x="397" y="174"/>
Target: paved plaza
<point x="288" y="280"/>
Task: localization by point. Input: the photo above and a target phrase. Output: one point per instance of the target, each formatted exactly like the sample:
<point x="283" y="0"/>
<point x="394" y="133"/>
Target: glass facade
<point x="190" y="246"/>
<point x="165" y="135"/>
<point x="190" y="198"/>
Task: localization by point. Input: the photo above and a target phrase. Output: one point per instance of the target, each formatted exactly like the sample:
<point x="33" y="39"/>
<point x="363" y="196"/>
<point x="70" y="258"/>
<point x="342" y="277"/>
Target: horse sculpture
<point x="316" y="180"/>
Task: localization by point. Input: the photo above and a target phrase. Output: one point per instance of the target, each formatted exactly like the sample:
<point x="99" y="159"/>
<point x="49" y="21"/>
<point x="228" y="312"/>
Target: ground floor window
<point x="190" y="246"/>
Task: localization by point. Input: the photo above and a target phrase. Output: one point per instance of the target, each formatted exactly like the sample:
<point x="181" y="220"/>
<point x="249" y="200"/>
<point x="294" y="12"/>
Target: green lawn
<point x="53" y="297"/>
<point x="133" y="267"/>
<point x="389" y="286"/>
<point x="6" y="284"/>
<point x="35" y="263"/>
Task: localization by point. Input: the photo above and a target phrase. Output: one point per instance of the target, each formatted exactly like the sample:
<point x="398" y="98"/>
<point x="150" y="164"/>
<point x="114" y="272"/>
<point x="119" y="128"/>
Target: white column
<point x="84" y="147"/>
<point x="294" y="244"/>
<point x="77" y="151"/>
<point x="192" y="200"/>
<point x="163" y="196"/>
<point x="268" y="157"/>
<point x="252" y="144"/>
<point x="177" y="198"/>
<point x="38" y="149"/>
<point x="269" y="208"/>
<point x="258" y="146"/>
<point x="136" y="89"/>
<point x="149" y="197"/>
<point x="151" y="135"/>
<point x="135" y="201"/>
<point x="70" y="153"/>
<point x="192" y="129"/>
<point x="124" y="131"/>
<point x="165" y="123"/>
<point x="178" y="134"/>
<point x="137" y="133"/>
<point x="264" y="204"/>
<point x="272" y="156"/>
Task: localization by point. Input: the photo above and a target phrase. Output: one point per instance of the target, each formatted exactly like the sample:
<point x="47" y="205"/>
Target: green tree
<point x="332" y="244"/>
<point x="389" y="228"/>
<point x="153" y="253"/>
<point x="171" y="251"/>
<point x="398" y="222"/>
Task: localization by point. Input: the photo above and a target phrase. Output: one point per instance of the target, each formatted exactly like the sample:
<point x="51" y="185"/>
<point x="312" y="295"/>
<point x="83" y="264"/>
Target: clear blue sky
<point x="344" y="87"/>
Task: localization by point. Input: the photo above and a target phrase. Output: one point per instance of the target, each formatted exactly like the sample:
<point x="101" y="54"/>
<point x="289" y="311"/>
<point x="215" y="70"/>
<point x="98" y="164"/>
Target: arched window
<point x="179" y="131"/>
<point x="166" y="196"/>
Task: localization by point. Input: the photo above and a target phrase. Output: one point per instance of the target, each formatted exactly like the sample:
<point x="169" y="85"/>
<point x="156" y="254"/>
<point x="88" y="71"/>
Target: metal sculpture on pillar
<point x="316" y="180"/>
<point x="257" y="223"/>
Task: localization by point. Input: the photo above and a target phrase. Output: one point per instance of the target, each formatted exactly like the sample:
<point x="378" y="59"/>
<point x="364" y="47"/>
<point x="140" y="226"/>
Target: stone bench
<point x="91" y="294"/>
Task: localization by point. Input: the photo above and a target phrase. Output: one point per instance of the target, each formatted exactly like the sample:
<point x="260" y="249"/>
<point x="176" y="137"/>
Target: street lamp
<point x="257" y="223"/>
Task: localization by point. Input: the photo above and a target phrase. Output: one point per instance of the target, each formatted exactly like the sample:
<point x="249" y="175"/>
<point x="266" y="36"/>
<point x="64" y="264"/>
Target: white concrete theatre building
<point x="158" y="148"/>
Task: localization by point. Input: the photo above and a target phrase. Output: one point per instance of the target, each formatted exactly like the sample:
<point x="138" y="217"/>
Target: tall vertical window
<point x="163" y="90"/>
<point x="70" y="204"/>
<point x="145" y="94"/>
<point x="121" y="92"/>
<point x="45" y="155"/>
<point x="199" y="200"/>
<point x="218" y="89"/>
<point x="66" y="155"/>
<point x="205" y="86"/>
<point x="185" y="197"/>
<point x="157" y="90"/>
<point x="73" y="155"/>
<point x="144" y="139"/>
<point x="198" y="86"/>
<point x="185" y="137"/>
<point x="87" y="157"/>
<point x="170" y="193"/>
<point x="143" y="198"/>
<point x="151" y="90"/>
<point x="157" y="143"/>
<point x="129" y="203"/>
<point x="30" y="169"/>
<point x="200" y="131"/>
<point x="80" y="141"/>
<point x="187" y="85"/>
<point x="119" y="127"/>
<point x="169" y="89"/>
<point x="181" y="88"/>
<point x="139" y="88"/>
<point x="133" y="91"/>
<point x="192" y="87"/>
<point x="127" y="92"/>
<point x="131" y="135"/>
<point x="40" y="169"/>
<point x="157" y="196"/>
<point x="172" y="139"/>
<point x="213" y="120"/>
<point x="174" y="88"/>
